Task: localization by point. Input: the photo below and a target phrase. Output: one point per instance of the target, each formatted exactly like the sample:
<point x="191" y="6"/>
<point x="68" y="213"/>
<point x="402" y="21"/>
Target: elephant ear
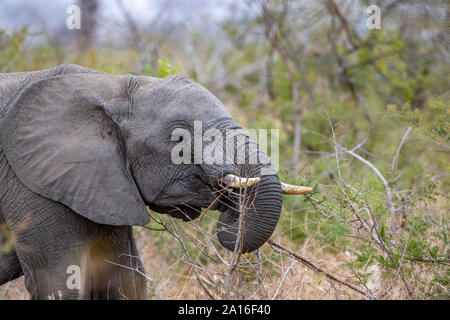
<point x="63" y="138"/>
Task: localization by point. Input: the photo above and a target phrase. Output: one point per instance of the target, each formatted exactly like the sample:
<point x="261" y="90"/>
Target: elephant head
<point x="103" y="145"/>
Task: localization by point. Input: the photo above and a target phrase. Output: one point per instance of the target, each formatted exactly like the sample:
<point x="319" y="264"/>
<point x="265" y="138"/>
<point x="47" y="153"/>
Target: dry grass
<point x="14" y="290"/>
<point x="174" y="277"/>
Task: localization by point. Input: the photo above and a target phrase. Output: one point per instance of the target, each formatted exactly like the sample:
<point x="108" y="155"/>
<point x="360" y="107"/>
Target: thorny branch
<point x="316" y="268"/>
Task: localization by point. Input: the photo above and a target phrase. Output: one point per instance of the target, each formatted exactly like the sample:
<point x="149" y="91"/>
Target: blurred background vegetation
<point x="363" y="117"/>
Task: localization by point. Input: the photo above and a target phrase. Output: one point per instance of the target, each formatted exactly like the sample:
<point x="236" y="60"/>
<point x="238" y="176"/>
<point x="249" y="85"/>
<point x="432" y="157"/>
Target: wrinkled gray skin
<point x="81" y="155"/>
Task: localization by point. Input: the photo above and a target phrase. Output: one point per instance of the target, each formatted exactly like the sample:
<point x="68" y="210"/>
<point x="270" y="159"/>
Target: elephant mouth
<point x="249" y="211"/>
<point x="183" y="212"/>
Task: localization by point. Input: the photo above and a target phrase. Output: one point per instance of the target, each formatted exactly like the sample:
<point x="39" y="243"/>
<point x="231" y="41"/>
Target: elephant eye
<point x="180" y="138"/>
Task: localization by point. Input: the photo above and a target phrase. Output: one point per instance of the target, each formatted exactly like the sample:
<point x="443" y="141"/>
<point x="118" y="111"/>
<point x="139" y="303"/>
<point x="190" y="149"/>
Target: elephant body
<point x="82" y="153"/>
<point x="44" y="255"/>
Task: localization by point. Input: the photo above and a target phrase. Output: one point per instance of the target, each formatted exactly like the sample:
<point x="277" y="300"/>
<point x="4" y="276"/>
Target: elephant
<point x="83" y="154"/>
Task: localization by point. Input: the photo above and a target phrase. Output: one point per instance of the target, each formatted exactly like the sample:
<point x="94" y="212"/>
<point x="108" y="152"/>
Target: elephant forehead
<point x="195" y="108"/>
<point x="185" y="100"/>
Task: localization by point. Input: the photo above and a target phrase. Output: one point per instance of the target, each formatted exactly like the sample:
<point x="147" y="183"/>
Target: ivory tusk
<point x="233" y="181"/>
<point x="292" y="189"/>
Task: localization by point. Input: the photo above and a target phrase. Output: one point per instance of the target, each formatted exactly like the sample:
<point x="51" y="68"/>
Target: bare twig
<point x="180" y="240"/>
<point x="395" y="160"/>
<point x="238" y="246"/>
<point x="209" y="207"/>
<point x="393" y="225"/>
<point x="283" y="279"/>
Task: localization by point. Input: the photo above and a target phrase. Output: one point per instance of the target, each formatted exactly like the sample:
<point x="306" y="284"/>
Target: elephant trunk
<point x="260" y="214"/>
